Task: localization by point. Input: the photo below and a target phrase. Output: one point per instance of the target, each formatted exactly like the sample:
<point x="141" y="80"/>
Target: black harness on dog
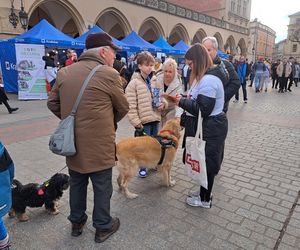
<point x="164" y="143"/>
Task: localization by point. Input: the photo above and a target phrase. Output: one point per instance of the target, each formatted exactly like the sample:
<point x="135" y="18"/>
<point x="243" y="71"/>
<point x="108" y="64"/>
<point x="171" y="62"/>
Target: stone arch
<point x="63" y="15"/>
<point x="219" y="38"/>
<point x="241" y="47"/>
<point x="114" y="23"/>
<point x="151" y="30"/>
<point x="178" y="33"/>
<point x="198" y="37"/>
<point x="230" y="46"/>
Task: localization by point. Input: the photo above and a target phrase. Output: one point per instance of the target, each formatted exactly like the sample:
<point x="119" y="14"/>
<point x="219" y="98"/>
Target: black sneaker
<point x="12" y="110"/>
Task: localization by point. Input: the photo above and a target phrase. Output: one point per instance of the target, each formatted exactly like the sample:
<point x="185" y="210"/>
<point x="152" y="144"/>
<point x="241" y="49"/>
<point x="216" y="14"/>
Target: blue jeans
<point x="150" y="129"/>
<point x="3" y="231"/>
<point x="258" y="80"/>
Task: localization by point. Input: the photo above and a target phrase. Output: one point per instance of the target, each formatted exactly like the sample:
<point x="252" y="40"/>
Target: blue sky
<point x="274" y="13"/>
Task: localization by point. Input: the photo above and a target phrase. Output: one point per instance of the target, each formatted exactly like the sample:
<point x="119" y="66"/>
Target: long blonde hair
<point x="198" y="54"/>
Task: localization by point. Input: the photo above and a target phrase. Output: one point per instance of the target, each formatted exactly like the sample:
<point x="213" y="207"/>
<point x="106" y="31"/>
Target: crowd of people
<point x="138" y="87"/>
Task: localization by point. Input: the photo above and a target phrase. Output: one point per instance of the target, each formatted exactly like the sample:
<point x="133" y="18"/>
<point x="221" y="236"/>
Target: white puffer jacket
<point x="140" y="101"/>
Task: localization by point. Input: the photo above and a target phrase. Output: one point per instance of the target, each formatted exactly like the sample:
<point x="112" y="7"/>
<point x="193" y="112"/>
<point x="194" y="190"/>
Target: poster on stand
<point x="30" y="67"/>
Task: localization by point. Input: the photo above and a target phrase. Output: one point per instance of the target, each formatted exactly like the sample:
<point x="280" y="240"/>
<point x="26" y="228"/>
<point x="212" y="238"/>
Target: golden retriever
<point x="146" y="151"/>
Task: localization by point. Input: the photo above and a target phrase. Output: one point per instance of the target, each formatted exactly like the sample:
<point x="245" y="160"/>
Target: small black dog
<point x="35" y="195"/>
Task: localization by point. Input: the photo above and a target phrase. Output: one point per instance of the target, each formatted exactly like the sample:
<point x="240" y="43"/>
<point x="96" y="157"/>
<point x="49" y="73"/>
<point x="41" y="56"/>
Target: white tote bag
<point x="195" y="164"/>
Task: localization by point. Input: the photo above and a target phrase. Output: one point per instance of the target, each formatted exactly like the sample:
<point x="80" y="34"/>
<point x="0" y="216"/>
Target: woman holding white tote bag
<point x="207" y="95"/>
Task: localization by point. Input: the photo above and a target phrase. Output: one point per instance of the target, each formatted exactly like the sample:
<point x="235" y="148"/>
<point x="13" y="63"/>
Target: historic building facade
<point x="290" y="47"/>
<point x="262" y="40"/>
<point x="175" y="20"/>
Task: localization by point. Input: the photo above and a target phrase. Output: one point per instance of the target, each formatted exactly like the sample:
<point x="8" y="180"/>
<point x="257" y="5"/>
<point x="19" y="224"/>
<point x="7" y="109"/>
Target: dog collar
<point x="46" y="184"/>
<point x="166" y="130"/>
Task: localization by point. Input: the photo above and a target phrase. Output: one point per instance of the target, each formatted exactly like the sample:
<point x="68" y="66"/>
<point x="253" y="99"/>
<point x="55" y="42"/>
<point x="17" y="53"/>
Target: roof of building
<point x="295" y="14"/>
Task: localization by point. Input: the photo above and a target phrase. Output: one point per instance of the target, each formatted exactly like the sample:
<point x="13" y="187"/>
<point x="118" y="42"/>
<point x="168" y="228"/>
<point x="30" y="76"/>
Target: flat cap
<point x="99" y="39"/>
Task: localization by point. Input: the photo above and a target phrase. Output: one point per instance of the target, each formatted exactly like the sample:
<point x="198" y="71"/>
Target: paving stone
<point x="218" y="231"/>
<point x="247" y="214"/>
<point x="238" y="229"/>
<point x="242" y="242"/>
<point x="222" y="244"/>
<point x="262" y="239"/>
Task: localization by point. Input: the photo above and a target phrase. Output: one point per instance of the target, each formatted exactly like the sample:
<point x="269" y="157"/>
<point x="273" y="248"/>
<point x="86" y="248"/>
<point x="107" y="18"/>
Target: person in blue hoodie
<point x="6" y="176"/>
<point x="242" y="71"/>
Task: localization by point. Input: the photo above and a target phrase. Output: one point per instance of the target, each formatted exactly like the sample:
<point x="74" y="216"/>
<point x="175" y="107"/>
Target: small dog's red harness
<point x="41" y="189"/>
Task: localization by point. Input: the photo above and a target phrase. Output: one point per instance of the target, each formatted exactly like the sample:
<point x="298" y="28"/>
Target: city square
<point x="130" y="74"/>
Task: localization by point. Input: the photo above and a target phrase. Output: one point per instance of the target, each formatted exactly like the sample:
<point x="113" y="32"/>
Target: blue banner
<point x="8" y="66"/>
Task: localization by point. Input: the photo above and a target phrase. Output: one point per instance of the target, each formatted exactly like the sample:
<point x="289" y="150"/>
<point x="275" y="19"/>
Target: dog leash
<point x="46" y="183"/>
<point x="61" y="169"/>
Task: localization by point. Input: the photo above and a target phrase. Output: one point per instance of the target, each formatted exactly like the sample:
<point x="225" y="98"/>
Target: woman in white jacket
<point x="169" y="80"/>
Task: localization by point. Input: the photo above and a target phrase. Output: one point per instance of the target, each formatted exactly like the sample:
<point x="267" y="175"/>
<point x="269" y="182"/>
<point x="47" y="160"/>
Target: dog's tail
<point x="17" y="185"/>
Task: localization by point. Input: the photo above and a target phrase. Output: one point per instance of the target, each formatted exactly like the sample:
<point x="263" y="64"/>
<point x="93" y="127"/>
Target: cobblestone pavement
<point x="256" y="194"/>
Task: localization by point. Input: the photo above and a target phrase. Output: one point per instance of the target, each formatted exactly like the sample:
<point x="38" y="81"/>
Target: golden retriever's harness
<point x="164" y="143"/>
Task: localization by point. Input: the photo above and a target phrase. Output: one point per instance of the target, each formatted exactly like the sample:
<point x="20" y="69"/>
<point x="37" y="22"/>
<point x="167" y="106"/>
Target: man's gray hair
<point x="213" y="40"/>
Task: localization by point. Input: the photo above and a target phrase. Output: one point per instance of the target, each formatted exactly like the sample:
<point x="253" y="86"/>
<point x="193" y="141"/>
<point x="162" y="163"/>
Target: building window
<point x="294" y="49"/>
<point x="298" y="21"/>
<point x="233" y="6"/>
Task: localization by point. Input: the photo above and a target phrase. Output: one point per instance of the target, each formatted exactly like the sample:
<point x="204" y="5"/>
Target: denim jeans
<point x="102" y="186"/>
<point x="151" y="128"/>
<point x="259" y="77"/>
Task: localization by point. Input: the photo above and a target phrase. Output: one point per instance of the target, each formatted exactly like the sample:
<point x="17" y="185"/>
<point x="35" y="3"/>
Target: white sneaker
<point x="196" y="202"/>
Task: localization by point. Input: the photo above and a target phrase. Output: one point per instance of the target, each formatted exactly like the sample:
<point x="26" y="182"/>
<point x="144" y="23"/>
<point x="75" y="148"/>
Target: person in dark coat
<point x="275" y="78"/>
<point x="233" y="84"/>
<point x="206" y="94"/>
<point x="4" y="99"/>
<point x="6" y="176"/>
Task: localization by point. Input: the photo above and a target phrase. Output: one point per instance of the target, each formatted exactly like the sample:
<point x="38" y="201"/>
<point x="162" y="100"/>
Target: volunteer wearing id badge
<point x="206" y="94"/>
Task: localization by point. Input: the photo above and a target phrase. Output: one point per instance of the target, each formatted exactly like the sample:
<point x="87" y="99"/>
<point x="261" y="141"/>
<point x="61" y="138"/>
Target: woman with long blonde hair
<point x="207" y="95"/>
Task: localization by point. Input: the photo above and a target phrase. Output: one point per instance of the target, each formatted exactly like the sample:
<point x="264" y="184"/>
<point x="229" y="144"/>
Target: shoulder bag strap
<point x="86" y="81"/>
<point x="199" y="126"/>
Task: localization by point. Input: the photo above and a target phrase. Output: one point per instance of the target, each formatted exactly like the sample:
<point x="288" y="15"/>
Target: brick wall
<point x="201" y="6"/>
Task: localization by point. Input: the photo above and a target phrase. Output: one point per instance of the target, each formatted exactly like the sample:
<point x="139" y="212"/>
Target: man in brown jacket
<point x="102" y="105"/>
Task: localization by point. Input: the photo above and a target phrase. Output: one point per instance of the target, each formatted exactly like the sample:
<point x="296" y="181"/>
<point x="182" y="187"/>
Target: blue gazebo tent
<point x="166" y="48"/>
<point x="182" y="46"/>
<point x="135" y="40"/>
<point x="95" y="29"/>
<point x="46" y="34"/>
<point x="222" y="54"/>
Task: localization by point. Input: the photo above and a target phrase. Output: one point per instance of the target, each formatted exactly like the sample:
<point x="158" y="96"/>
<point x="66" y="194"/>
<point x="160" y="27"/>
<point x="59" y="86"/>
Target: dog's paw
<point x="172" y="183"/>
<point x="23" y="217"/>
<point x="12" y="213"/>
<point x="131" y="195"/>
<point x="53" y="211"/>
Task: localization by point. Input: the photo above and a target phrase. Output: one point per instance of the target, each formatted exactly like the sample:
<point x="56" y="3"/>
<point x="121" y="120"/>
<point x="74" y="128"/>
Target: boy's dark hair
<point x="144" y="58"/>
